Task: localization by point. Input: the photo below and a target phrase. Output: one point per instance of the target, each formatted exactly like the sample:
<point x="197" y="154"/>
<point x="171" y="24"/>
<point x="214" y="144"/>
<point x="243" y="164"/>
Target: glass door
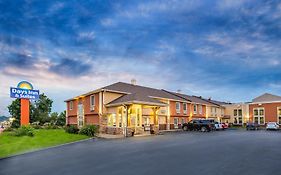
<point x="80" y="115"/>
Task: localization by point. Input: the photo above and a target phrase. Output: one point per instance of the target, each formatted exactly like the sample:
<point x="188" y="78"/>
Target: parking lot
<point x="221" y="152"/>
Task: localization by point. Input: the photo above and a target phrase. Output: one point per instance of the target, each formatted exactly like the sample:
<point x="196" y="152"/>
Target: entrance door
<point x="80" y="115"/>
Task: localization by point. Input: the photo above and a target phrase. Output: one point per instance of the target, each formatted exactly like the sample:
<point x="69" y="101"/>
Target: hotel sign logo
<point x="24" y="90"/>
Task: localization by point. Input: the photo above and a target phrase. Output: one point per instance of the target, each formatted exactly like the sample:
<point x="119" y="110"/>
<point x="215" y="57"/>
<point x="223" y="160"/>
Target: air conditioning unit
<point x="92" y="108"/>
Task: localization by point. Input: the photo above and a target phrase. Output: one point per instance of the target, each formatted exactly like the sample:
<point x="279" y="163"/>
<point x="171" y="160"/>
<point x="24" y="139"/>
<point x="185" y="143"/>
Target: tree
<point x="54" y="117"/>
<point x="39" y="110"/>
<point x="15" y="112"/>
<point x="61" y="119"/>
<point x="42" y="109"/>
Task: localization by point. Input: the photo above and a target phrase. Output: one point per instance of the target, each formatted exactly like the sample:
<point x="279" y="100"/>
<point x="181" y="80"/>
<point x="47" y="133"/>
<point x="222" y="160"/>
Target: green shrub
<point x="24" y="131"/>
<point x="50" y="126"/>
<point x="36" y="125"/>
<point x="72" y="129"/>
<point x="89" y="130"/>
<point x="10" y="129"/>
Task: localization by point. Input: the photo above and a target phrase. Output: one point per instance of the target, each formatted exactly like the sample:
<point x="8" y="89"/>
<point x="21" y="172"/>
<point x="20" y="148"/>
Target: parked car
<point x="272" y="126"/>
<point x="252" y="126"/>
<point x="218" y="126"/>
<point x="198" y="125"/>
<point x="225" y="125"/>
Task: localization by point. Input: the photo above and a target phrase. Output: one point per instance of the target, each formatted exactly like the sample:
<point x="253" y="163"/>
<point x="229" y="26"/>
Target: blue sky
<point x="227" y="50"/>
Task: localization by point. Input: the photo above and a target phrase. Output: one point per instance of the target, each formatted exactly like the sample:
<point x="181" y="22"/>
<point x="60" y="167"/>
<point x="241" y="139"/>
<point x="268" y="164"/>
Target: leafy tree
<point x="61" y="119"/>
<point x="42" y="109"/>
<point x="15" y="111"/>
<point x="39" y="110"/>
<point x="54" y="117"/>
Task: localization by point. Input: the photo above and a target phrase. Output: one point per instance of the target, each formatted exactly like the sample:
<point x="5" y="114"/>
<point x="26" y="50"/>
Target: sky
<point x="227" y="50"/>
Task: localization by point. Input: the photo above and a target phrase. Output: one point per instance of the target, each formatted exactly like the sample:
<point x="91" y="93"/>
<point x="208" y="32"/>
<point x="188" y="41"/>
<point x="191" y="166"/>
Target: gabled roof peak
<point x="267" y="97"/>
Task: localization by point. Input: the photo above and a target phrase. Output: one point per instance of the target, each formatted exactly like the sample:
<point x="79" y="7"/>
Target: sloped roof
<point x="144" y="91"/>
<point x="267" y="98"/>
<point x="136" y="98"/>
<point x="219" y="103"/>
<point x="193" y="99"/>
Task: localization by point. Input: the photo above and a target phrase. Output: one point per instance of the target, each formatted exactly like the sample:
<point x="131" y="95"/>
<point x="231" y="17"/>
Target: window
<point x="200" y="109"/>
<point x="92" y="102"/>
<point x="256" y="112"/>
<point x="279" y="114"/>
<point x="261" y="120"/>
<point x="240" y="112"/>
<point x="112" y="120"/>
<point x="235" y="112"/>
<point x="259" y="116"/>
<point x="256" y="119"/>
<point x="182" y="121"/>
<point x="70" y="105"/>
<point x="176" y="122"/>
<point x="195" y="109"/>
<point x="80" y="115"/>
<point x="184" y="108"/>
<point x="178" y="107"/>
<point x="240" y="120"/>
<point x="261" y="112"/>
<point x="138" y="117"/>
<point x="222" y="112"/>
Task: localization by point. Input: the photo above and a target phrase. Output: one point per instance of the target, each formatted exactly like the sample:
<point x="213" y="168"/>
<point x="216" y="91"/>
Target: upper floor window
<point x="70" y="105"/>
<point x="185" y="108"/>
<point x="235" y="112"/>
<point x="92" y="102"/>
<point x="195" y="109"/>
<point x="200" y="109"/>
<point x="178" y="106"/>
<point x="239" y="112"/>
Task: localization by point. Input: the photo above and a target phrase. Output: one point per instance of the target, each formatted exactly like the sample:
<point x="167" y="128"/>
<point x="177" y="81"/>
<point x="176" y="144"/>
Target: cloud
<point x="70" y="67"/>
<point x="209" y="48"/>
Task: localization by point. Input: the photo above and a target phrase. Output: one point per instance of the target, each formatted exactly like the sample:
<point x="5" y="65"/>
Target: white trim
<point x="259" y="116"/>
<point x="200" y="109"/>
<point x="92" y="106"/>
<point x="70" y="105"/>
<point x="184" y="110"/>
<point x="278" y="115"/>
<point x="195" y="111"/>
<point x="264" y="102"/>
<point x="178" y="109"/>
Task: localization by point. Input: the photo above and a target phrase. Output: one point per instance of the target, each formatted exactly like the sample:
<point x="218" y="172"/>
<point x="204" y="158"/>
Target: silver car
<point x="272" y="126"/>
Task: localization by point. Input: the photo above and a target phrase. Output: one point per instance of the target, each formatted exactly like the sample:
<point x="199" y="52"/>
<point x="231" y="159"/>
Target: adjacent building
<point x="265" y="108"/>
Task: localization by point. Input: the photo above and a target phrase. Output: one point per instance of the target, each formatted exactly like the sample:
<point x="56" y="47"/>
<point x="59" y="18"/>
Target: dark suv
<point x="199" y="125"/>
<point x="252" y="126"/>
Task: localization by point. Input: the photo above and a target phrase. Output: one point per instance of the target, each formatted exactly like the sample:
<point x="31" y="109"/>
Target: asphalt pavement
<point x="232" y="152"/>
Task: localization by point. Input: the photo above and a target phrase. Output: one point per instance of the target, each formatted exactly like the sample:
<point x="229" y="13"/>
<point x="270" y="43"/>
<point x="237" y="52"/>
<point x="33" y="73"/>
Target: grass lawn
<point x="10" y="145"/>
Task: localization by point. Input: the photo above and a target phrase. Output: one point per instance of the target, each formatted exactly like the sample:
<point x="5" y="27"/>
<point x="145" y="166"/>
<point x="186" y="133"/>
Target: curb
<point x="42" y="149"/>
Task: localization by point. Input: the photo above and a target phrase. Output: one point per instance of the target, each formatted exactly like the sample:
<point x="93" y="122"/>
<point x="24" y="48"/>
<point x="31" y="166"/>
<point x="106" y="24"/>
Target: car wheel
<point x="203" y="129"/>
<point x="185" y="128"/>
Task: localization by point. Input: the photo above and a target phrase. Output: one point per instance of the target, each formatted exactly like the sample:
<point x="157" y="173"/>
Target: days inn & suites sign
<point x="24" y="91"/>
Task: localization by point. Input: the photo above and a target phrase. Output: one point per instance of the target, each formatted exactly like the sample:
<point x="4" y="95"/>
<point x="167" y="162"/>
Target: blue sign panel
<point x="24" y="93"/>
